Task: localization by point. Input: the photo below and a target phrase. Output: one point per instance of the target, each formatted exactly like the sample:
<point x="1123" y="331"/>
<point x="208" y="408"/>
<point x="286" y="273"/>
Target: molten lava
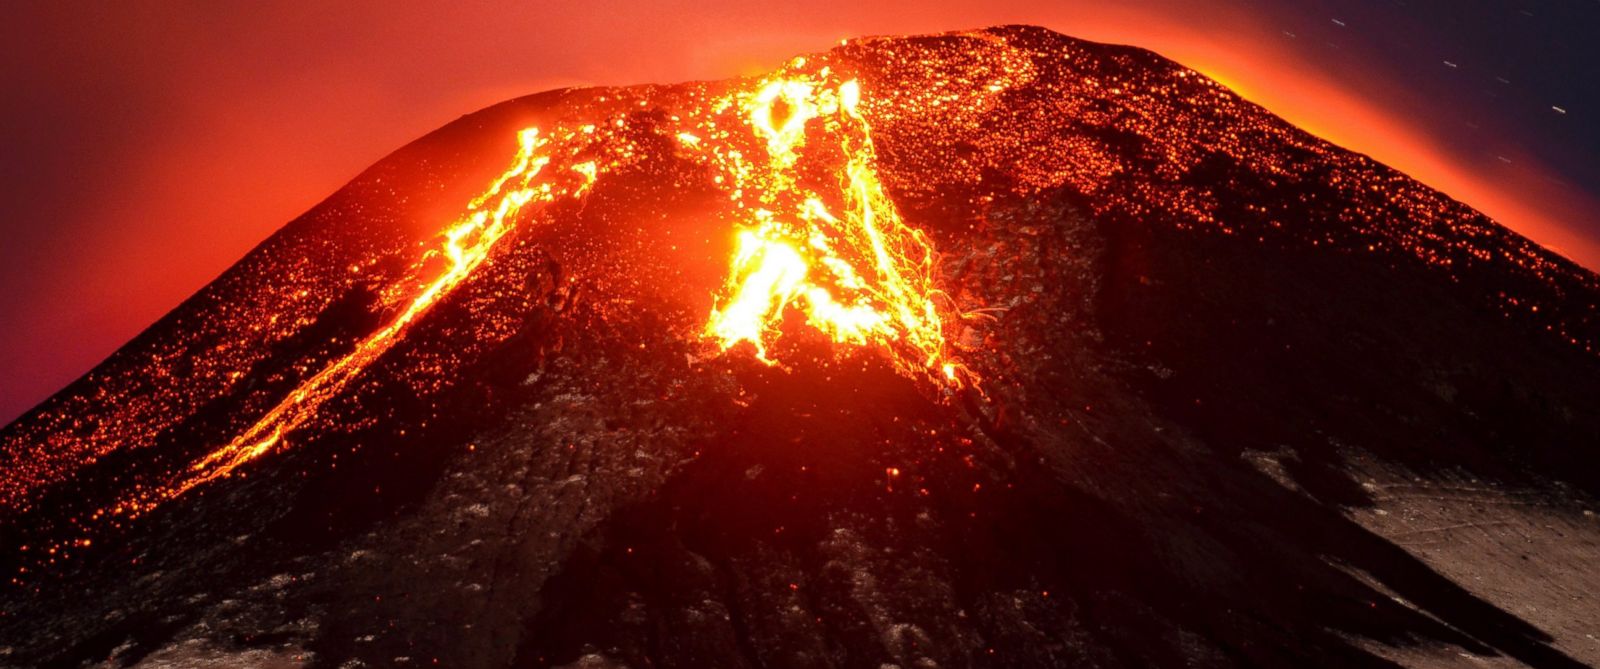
<point x="803" y="152"/>
<point x="863" y="277"/>
<point x="466" y="243"/>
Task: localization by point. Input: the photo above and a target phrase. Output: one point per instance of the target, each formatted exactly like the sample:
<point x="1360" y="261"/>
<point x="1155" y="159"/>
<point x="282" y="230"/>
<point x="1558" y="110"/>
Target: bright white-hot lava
<point x="844" y="259"/>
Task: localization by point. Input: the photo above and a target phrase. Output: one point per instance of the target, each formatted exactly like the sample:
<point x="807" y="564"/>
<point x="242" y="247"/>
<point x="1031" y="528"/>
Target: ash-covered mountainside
<point x="993" y="349"/>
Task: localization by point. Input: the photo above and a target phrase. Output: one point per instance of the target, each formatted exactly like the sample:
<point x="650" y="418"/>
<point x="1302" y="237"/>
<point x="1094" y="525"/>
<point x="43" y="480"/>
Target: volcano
<point x="994" y="348"/>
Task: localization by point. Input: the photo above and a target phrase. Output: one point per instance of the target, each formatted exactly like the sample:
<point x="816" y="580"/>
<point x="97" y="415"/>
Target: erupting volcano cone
<point x="993" y="349"/>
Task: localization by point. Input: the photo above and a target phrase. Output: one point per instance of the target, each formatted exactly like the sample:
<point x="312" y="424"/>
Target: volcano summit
<point x="995" y="348"/>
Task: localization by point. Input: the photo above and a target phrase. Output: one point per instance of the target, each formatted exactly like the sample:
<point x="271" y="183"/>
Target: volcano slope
<point x="995" y="349"/>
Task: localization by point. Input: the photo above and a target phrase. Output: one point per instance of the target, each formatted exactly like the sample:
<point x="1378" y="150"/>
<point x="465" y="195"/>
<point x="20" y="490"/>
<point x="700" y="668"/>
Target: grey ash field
<point x="1243" y="398"/>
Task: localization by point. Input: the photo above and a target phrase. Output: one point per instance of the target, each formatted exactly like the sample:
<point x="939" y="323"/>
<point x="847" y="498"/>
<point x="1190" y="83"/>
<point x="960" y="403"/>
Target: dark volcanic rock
<point x="1246" y="399"/>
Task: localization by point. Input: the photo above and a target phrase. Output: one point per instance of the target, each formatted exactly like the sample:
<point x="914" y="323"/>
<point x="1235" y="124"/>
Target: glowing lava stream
<point x="863" y="277"/>
<point x="466" y="244"/>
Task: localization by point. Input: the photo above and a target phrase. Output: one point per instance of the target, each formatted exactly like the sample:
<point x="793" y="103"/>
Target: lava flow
<point x="865" y="278"/>
<point x="466" y="244"/>
<point x="819" y="236"/>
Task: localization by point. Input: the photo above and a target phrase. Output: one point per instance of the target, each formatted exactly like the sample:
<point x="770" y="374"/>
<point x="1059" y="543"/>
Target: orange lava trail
<point x="465" y="245"/>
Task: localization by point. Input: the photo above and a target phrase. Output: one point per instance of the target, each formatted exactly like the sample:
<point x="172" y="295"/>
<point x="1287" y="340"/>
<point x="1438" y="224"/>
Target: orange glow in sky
<point x="155" y="145"/>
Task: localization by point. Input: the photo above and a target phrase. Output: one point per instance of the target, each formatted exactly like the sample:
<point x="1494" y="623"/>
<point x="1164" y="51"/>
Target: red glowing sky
<point x="152" y="146"/>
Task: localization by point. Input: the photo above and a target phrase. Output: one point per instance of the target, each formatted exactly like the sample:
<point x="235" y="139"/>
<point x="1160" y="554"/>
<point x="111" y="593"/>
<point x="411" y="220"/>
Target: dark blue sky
<point x="1488" y="76"/>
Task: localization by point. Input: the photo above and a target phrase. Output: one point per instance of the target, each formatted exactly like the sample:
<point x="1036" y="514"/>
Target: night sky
<point x="148" y="146"/>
